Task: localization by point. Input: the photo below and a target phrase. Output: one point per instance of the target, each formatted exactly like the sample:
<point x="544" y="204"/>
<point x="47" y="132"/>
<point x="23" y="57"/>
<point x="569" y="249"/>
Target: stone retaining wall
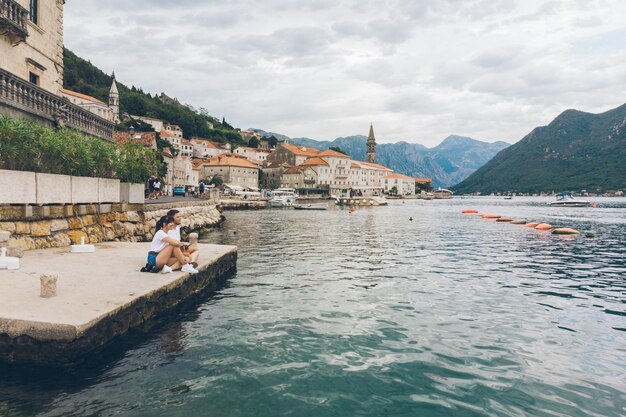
<point x="41" y="227"/>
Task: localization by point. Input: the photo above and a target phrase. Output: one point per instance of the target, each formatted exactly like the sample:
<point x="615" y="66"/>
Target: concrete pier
<point x="100" y="296"/>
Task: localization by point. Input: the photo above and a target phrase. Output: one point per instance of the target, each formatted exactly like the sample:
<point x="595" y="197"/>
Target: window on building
<point x="34" y="11"/>
<point x="33" y="78"/>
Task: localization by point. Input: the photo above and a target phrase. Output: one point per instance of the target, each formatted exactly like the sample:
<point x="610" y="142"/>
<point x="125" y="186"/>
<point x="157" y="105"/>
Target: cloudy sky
<point x="419" y="70"/>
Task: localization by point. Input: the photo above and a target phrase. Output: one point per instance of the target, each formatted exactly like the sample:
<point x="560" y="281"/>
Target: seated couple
<point x="167" y="252"/>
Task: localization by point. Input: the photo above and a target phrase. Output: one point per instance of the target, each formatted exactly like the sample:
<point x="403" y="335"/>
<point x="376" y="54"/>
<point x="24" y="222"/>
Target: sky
<point x="418" y="70"/>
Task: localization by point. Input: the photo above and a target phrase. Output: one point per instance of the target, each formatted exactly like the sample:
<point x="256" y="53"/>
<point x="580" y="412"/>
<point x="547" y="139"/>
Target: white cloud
<point x="490" y="69"/>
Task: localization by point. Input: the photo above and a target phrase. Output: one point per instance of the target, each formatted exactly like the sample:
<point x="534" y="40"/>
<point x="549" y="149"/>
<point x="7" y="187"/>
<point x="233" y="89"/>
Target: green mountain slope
<point x="83" y="77"/>
<point x="453" y="160"/>
<point x="576" y="151"/>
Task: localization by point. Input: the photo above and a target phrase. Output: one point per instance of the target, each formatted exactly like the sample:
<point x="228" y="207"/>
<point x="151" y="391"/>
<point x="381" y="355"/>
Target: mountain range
<point x="448" y="163"/>
<point x="576" y="151"/>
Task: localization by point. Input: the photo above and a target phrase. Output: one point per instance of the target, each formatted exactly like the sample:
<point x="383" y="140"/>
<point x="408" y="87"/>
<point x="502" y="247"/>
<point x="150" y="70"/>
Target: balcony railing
<point x="13" y="18"/>
<point x="29" y="98"/>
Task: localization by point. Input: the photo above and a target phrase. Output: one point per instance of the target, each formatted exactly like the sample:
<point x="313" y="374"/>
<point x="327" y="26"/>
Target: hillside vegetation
<point x="576" y="151"/>
<point x="83" y="77"/>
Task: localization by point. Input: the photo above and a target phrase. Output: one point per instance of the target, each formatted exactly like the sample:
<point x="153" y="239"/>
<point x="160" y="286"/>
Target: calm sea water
<point x="370" y="314"/>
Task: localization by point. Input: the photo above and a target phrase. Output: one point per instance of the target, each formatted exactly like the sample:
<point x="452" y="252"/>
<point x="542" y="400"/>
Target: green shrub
<point x="26" y="145"/>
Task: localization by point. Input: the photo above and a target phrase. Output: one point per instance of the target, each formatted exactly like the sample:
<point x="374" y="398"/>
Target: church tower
<point x="114" y="101"/>
<point x="371" y="146"/>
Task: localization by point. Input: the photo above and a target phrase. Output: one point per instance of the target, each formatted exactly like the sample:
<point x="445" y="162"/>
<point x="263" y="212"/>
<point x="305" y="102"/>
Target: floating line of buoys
<point x="537" y="226"/>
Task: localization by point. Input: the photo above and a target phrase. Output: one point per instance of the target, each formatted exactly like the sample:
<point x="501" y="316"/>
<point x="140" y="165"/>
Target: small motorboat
<point x="310" y="206"/>
<point x="566" y="200"/>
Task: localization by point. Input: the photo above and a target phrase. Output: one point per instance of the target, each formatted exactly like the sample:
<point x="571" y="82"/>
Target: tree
<point x="216" y="180"/>
<point x="254" y="142"/>
<point x="394" y="190"/>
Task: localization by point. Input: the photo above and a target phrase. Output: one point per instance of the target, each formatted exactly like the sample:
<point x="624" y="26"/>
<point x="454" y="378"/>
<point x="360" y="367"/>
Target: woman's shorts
<point x="152" y="258"/>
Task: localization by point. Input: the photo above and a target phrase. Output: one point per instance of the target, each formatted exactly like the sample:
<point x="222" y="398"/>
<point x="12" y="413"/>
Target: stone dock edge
<point x="64" y="345"/>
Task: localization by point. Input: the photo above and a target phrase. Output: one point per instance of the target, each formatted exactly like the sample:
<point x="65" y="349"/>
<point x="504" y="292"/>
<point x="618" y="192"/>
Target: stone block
<point x="4" y="236"/>
<point x="8" y="226"/>
<point x="22" y="228"/>
<point x="133" y="216"/>
<point x="68" y="211"/>
<point x="53" y="189"/>
<point x="58" y="224"/>
<point x="24" y="243"/>
<point x="40" y="228"/>
<point x="28" y="211"/>
<point x="104" y="208"/>
<point x="74" y="223"/>
<point x="17" y="187"/>
<point x="89" y="220"/>
<point x="132" y="193"/>
<point x="123" y="217"/>
<point x="48" y="286"/>
<point x="60" y="240"/>
<point x="44" y="211"/>
<point x="85" y="190"/>
<point x="76" y="235"/>
<point x="82" y="209"/>
<point x="108" y="190"/>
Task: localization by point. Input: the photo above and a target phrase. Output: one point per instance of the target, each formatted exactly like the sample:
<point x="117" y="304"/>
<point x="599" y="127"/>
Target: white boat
<point x="283" y="197"/>
<point x="566" y="200"/>
<point x="442" y="193"/>
<point x="311" y="206"/>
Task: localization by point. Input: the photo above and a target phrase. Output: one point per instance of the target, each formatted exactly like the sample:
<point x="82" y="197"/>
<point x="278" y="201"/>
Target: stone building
<point x="253" y="154"/>
<point x="404" y="185"/>
<point x="291" y="154"/>
<point x="299" y="177"/>
<point x="234" y="170"/>
<point x="31" y="67"/>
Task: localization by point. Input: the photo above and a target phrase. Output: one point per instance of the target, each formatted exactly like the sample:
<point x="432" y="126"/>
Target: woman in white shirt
<point x="165" y="254"/>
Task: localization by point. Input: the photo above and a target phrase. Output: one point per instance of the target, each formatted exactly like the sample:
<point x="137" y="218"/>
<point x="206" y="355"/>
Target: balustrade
<point x="13" y="18"/>
<point x="21" y="94"/>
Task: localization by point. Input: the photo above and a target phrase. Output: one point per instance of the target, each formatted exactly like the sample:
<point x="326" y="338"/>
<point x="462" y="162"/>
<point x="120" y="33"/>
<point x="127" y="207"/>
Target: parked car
<point x="178" y="191"/>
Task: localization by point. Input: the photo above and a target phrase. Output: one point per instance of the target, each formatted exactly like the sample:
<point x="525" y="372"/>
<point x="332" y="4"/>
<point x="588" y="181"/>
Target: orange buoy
<point x="594" y="205"/>
<point x="533" y="225"/>
<point x="543" y="226"/>
<point x="504" y="219"/>
<point x="470" y="211"/>
<point x="490" y="216"/>
<point x="565" y="231"/>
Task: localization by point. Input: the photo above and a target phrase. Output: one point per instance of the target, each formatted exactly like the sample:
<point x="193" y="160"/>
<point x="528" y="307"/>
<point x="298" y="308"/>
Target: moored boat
<point x="283" y="197"/>
<point x="311" y="206"/>
<point x="567" y="200"/>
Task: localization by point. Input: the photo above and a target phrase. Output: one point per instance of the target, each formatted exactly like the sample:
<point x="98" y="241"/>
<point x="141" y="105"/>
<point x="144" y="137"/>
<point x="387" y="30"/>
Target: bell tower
<point x="114" y="100"/>
<point x="371" y="146"/>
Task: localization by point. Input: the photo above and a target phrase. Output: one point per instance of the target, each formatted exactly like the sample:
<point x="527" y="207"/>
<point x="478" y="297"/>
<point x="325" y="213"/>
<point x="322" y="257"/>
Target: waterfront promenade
<point x="100" y="296"/>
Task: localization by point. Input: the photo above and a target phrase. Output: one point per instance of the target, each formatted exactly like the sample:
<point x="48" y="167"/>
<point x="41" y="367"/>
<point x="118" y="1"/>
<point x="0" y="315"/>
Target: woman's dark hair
<point x="163" y="221"/>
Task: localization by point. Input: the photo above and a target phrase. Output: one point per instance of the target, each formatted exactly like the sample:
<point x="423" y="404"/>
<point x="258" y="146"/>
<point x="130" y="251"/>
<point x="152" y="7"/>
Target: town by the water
<point x="158" y="260"/>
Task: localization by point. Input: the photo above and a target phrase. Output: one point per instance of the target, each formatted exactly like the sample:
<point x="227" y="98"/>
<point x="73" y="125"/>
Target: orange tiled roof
<point x="330" y="152"/>
<point x="145" y="138"/>
<point x="301" y="150"/>
<point x="229" y="160"/>
<point x="355" y="165"/>
<point x="396" y="175"/>
<point x="83" y="96"/>
<point x="423" y="180"/>
<point x="185" y="142"/>
<point x="315" y="161"/>
<point x="165" y="133"/>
